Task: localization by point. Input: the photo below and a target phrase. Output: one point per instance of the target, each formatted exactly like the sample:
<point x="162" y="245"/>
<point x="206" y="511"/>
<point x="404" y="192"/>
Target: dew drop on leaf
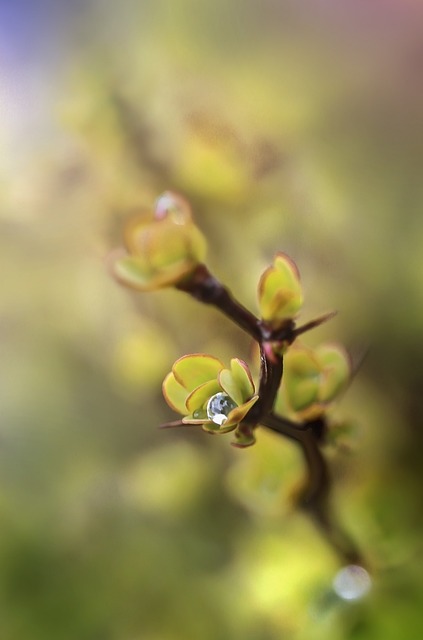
<point x="219" y="407"/>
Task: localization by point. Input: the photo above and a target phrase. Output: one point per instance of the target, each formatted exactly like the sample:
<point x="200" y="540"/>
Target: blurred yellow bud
<point x="161" y="250"/>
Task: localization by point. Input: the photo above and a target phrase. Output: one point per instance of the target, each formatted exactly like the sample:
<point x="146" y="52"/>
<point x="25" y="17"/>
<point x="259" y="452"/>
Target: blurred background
<point x="289" y="125"/>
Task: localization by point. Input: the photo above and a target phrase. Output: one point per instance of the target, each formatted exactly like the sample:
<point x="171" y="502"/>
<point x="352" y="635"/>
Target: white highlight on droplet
<point x="219" y="407"/>
<point x="352" y="582"/>
<point x="172" y="204"/>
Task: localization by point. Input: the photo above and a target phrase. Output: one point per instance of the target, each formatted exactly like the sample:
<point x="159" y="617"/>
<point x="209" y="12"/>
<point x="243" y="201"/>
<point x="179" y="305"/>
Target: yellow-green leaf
<point x="194" y="421"/>
<point x="174" y="394"/>
<point x="131" y="272"/>
<point x="336" y="371"/>
<point x="212" y="427"/>
<point x="301" y="362"/>
<point x="279" y="292"/>
<point x="244" y="437"/>
<point x="239" y="413"/>
<point x="193" y="370"/>
<point x="242" y="376"/>
<point x="229" y="385"/>
<point x="302" y="393"/>
<point x="197" y="398"/>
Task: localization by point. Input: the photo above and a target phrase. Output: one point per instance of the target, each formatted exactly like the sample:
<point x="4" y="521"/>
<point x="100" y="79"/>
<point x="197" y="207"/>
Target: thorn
<point x="314" y="323"/>
<point x="357" y="358"/>
<point x="174" y="424"/>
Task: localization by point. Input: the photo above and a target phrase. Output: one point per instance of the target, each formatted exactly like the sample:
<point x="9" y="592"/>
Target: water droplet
<point x="219" y="407"/>
<point x="352" y="582"/>
<point x="199" y="414"/>
<point x="174" y="206"/>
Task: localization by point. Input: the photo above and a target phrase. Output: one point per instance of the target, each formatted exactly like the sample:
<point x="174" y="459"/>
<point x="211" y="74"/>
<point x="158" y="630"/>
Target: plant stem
<point x="203" y="286"/>
<point x="270" y="379"/>
<point x="314" y="496"/>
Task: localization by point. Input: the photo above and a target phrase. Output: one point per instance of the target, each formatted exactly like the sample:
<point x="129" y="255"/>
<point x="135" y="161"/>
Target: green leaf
<point x="302" y="378"/>
<point x="283" y="263"/>
<point x="313" y="378"/>
<point x="192" y="420"/>
<point x="238" y="414"/>
<point x="193" y="370"/>
<point x="165" y="244"/>
<point x="237" y="382"/>
<point x="301" y="362"/>
<point x="243" y="378"/>
<point x="336" y="368"/>
<point x="279" y="291"/>
<point x="197" y="398"/>
<point x="174" y="394"/>
<point x="302" y="393"/>
<point x="212" y="427"/>
<point x="132" y="272"/>
<point x="244" y="437"/>
<point x="229" y="385"/>
<point x="162" y="243"/>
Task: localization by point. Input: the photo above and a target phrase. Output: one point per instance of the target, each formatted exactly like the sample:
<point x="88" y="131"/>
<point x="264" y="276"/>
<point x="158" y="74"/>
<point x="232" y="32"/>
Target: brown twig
<point x="205" y="288"/>
<point x="315" y="492"/>
<point x="309" y="435"/>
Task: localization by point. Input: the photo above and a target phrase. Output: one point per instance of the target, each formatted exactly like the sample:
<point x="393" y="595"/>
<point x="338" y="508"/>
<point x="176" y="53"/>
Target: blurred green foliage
<point x="289" y="126"/>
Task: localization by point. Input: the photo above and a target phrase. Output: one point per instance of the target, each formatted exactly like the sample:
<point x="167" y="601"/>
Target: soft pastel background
<point x="292" y="125"/>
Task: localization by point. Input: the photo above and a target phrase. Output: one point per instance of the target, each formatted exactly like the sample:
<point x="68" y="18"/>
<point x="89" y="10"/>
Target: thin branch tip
<point x="171" y="425"/>
<point x="315" y="323"/>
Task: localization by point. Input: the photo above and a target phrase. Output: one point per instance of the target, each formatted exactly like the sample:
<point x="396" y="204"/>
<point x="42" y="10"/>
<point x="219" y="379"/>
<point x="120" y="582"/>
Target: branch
<point x="314" y="495"/>
<point x="204" y="287"/>
<point x="271" y="370"/>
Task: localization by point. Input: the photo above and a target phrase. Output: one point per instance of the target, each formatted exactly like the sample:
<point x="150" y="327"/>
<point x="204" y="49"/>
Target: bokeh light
<point x="352" y="582"/>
